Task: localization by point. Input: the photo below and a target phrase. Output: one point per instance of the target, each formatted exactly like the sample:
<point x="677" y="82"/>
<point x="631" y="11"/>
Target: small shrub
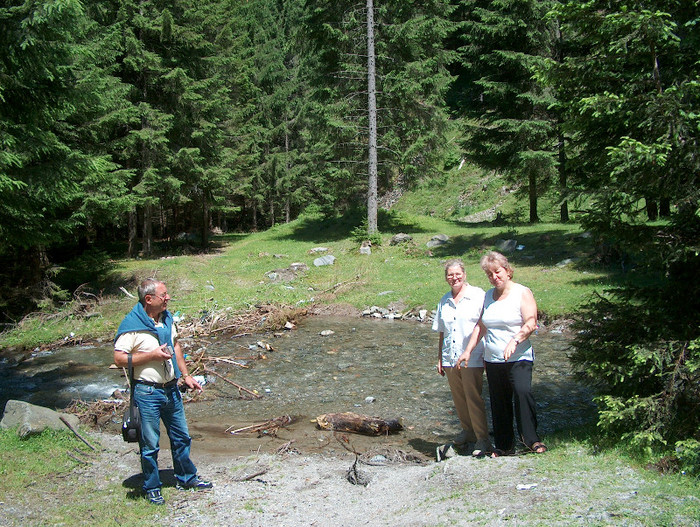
<point x="359" y="234"/>
<point x="688" y="453"/>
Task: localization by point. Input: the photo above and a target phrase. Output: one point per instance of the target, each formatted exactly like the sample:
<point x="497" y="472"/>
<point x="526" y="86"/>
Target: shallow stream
<point x="368" y="366"/>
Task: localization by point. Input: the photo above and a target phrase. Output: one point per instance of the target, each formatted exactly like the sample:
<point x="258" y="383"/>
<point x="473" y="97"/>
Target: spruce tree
<point x="630" y="75"/>
<point x="411" y="81"/>
<point x="509" y="126"/>
<point x="48" y="169"/>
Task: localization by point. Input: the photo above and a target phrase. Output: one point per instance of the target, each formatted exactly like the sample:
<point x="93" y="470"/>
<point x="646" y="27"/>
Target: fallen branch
<point x="359" y="424"/>
<point x="241" y="388"/>
<point x="336" y="286"/>
<point x="252" y="476"/>
<point x="224" y="328"/>
<point x="287" y="448"/>
<point x="126" y="292"/>
<point x="82" y="461"/>
<point x="70" y="427"/>
<point x="227" y="361"/>
<point x="269" y="427"/>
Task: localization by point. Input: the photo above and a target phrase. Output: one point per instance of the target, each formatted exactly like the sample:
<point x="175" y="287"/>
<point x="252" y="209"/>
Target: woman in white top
<point x="508" y="319"/>
<point x="457" y="315"/>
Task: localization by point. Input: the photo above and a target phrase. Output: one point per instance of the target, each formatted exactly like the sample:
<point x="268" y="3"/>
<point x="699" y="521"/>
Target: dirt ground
<point x="296" y="489"/>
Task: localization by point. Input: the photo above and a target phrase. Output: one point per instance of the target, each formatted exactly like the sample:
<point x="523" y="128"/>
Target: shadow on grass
<point x="586" y="434"/>
<point x="134" y="483"/>
<point x="427" y="448"/>
<point x="326" y="229"/>
<point x="545" y="248"/>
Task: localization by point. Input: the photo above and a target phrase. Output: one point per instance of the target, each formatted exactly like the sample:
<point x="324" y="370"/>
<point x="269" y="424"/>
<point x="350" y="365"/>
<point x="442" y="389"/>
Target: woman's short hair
<point x="454" y="262"/>
<point x="493" y="257"/>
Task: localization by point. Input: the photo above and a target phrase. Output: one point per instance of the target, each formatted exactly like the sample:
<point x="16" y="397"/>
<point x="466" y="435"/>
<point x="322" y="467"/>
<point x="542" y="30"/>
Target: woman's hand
<point x="510" y="349"/>
<point x="463" y="358"/>
<point x="440" y="370"/>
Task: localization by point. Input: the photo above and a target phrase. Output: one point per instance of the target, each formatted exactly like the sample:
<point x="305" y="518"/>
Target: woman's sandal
<point x="538" y="447"/>
<point x="497" y="452"/>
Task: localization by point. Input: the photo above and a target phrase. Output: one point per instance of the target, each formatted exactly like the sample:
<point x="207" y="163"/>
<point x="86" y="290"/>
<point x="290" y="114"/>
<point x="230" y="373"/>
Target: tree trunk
<point x="652" y="209"/>
<point x="132" y="232"/>
<point x="272" y="210"/>
<point x="665" y="207"/>
<point x="532" y="192"/>
<point x="287" y="168"/>
<point x="147" y="230"/>
<point x="564" y="207"/>
<point x="205" y="220"/>
<point x="372" y="106"/>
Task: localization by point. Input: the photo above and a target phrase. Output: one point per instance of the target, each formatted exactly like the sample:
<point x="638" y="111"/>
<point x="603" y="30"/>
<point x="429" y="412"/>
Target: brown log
<point x="358" y="424"/>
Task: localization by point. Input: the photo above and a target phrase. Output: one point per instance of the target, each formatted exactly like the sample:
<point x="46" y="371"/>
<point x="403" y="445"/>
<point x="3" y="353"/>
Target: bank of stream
<point x="368" y="366"/>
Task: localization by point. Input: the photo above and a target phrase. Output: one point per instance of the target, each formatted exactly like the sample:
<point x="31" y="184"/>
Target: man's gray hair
<point x="147" y="287"/>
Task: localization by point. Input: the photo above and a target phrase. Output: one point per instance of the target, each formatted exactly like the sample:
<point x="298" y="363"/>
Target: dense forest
<point x="129" y="122"/>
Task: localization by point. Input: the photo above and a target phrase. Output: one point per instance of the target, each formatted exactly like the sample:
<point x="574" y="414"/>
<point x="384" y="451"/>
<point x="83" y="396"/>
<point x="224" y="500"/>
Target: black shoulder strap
<point x="132" y="403"/>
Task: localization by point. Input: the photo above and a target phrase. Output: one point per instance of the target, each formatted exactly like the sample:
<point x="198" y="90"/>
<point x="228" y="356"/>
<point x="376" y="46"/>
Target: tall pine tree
<point x="411" y="82"/>
<point x="509" y="126"/>
<point x="47" y="167"/>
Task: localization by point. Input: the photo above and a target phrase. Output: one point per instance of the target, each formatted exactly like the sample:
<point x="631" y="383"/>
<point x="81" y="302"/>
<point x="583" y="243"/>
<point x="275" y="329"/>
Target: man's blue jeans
<point x="166" y="404"/>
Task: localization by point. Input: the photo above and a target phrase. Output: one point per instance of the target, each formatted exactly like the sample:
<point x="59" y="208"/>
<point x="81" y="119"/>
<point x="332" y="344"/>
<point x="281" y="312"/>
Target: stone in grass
<point x="324" y="260"/>
<point x="31" y="419"/>
<point x="437" y="241"/>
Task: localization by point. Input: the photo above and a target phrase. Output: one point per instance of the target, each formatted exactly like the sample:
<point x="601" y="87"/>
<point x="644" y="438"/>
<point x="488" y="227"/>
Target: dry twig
<point x="70" y="427"/>
<point x="269" y="427"/>
<point x="240" y="388"/>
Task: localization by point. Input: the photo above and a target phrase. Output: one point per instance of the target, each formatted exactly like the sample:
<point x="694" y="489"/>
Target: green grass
<point x="408" y="275"/>
<point x="40" y="469"/>
<point x="42" y="456"/>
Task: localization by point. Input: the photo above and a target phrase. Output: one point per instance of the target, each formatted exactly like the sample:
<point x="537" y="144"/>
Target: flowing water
<point x="368" y="366"/>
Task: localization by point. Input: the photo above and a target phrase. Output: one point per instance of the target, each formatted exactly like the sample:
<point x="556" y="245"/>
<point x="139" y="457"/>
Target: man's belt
<point x="160" y="385"/>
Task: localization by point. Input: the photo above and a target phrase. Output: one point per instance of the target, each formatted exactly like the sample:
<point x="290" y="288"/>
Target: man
<point x="147" y="334"/>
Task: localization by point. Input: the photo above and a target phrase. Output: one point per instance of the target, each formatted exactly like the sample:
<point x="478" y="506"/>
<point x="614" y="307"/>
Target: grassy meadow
<point x="231" y="278"/>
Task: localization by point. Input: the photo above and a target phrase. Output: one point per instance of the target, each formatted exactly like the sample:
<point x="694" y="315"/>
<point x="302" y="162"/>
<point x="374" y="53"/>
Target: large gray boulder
<point x="31" y="419"/>
<point x="324" y="260"/>
<point x="438" y="240"/>
<point x="401" y="237"/>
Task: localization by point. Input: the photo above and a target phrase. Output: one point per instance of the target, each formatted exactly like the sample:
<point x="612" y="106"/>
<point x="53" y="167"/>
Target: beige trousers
<point x="466" y="385"/>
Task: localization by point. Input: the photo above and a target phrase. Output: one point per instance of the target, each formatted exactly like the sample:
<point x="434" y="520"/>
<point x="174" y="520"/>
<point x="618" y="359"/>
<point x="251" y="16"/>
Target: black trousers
<point x="511" y="382"/>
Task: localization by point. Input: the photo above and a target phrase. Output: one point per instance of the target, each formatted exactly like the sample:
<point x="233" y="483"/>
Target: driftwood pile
<point x="97" y="413"/>
<point x="199" y="363"/>
<point x="254" y="320"/>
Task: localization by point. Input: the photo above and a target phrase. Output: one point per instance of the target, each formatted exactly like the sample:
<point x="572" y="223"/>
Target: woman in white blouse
<point x="458" y="312"/>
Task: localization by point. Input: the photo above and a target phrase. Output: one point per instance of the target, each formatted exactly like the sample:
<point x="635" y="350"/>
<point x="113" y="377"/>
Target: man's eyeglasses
<point x="162" y="297"/>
